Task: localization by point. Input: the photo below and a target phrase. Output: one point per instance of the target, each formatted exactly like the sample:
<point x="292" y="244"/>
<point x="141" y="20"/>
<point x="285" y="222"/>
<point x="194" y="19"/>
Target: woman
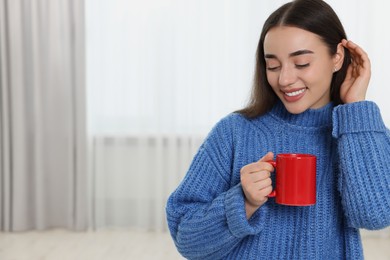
<point x="308" y="97"/>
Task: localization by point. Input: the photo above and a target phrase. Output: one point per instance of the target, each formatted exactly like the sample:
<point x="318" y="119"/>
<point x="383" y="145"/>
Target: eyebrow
<point x="293" y="54"/>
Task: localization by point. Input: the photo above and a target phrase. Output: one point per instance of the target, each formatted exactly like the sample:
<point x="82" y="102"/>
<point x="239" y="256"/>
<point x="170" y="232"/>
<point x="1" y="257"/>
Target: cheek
<point x="316" y="75"/>
<point x="321" y="73"/>
<point x="321" y="77"/>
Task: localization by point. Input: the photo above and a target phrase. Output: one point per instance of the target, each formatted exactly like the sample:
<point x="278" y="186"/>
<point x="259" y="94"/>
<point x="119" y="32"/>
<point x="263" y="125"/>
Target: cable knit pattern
<point x="206" y="213"/>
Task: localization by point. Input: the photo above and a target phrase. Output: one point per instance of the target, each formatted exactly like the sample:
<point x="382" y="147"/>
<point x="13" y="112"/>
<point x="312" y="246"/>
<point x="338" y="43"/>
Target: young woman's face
<point x="299" y="68"/>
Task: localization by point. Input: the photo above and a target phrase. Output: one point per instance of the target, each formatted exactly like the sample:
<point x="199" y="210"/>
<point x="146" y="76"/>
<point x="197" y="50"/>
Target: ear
<point x="338" y="57"/>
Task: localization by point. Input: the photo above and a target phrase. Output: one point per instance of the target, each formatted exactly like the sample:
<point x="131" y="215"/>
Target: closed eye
<point x="301" y="66"/>
<point x="273" y="68"/>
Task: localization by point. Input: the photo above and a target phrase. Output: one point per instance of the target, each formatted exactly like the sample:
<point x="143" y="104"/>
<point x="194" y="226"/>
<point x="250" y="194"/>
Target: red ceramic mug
<point x="295" y="179"/>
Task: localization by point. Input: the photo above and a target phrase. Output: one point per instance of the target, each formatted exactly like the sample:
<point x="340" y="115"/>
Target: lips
<point x="293" y="95"/>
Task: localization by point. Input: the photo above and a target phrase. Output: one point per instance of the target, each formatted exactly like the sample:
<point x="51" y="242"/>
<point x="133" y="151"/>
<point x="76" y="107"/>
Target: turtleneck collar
<point x="309" y="118"/>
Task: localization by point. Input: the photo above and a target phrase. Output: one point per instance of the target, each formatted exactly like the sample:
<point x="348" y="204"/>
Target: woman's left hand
<point x="355" y="85"/>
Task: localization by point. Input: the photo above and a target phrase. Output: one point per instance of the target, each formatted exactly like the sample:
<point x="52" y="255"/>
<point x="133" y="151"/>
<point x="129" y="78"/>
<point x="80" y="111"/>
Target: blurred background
<point x="104" y="103"/>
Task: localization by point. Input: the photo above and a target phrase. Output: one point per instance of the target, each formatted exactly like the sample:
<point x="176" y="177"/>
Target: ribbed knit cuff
<point x="357" y="117"/>
<point x="236" y="216"/>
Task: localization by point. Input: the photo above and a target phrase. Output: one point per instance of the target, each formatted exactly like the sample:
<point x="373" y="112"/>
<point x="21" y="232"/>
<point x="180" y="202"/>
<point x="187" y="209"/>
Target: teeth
<point x="295" y="93"/>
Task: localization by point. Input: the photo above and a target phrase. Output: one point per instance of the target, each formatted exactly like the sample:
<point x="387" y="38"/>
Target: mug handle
<point x="273" y="193"/>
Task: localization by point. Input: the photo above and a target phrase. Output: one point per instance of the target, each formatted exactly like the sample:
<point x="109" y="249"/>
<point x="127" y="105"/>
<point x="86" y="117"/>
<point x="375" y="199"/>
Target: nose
<point x="287" y="76"/>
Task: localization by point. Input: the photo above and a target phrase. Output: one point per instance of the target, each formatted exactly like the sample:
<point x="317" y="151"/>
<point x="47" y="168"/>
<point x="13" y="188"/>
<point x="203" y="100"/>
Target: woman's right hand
<point x="256" y="183"/>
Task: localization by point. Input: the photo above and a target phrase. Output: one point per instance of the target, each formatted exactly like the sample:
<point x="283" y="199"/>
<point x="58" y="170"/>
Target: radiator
<point x="132" y="177"/>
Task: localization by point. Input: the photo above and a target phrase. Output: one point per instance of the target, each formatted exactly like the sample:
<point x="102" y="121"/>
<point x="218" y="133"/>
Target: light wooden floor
<point x="117" y="245"/>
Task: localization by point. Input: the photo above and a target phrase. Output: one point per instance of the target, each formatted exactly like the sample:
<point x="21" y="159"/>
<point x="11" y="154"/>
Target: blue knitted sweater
<point x="206" y="213"/>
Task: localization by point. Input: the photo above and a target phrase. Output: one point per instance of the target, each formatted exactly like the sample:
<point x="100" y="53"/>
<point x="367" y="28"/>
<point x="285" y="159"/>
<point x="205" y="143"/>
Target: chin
<point x="295" y="108"/>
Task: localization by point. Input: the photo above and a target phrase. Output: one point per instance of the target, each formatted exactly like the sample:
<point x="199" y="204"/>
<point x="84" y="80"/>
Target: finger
<point x="348" y="76"/>
<point x="255" y="168"/>
<point x="359" y="56"/>
<point x="253" y="178"/>
<point x="263" y="184"/>
<point x="259" y="190"/>
<point x="265" y="192"/>
<point x="264" y="162"/>
<point x="353" y="47"/>
<point x="262" y="175"/>
<point x="268" y="157"/>
<point x="251" y="168"/>
<point x="259" y="165"/>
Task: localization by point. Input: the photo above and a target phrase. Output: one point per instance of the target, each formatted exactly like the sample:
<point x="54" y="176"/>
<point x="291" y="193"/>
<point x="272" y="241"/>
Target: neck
<point x="309" y="118"/>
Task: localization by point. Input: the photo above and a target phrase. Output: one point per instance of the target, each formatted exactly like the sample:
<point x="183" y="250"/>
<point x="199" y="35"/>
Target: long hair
<point x="314" y="16"/>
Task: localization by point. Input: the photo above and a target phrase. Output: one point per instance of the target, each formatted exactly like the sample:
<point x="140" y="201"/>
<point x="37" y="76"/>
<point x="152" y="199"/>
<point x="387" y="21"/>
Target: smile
<point x="295" y="93"/>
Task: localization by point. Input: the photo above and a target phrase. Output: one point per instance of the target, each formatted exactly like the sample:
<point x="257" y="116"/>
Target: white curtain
<point x="133" y="176"/>
<point x="172" y="68"/>
<point x="42" y="115"/>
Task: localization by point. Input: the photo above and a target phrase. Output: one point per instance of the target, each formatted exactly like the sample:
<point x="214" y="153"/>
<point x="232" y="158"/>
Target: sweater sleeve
<point x="363" y="144"/>
<point x="206" y="216"/>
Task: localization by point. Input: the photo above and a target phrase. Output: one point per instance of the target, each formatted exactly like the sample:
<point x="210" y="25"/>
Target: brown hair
<point x="314" y="16"/>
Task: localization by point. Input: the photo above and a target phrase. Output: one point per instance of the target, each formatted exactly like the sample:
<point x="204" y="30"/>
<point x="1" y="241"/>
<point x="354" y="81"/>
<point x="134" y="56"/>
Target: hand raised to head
<point x="355" y="85"/>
